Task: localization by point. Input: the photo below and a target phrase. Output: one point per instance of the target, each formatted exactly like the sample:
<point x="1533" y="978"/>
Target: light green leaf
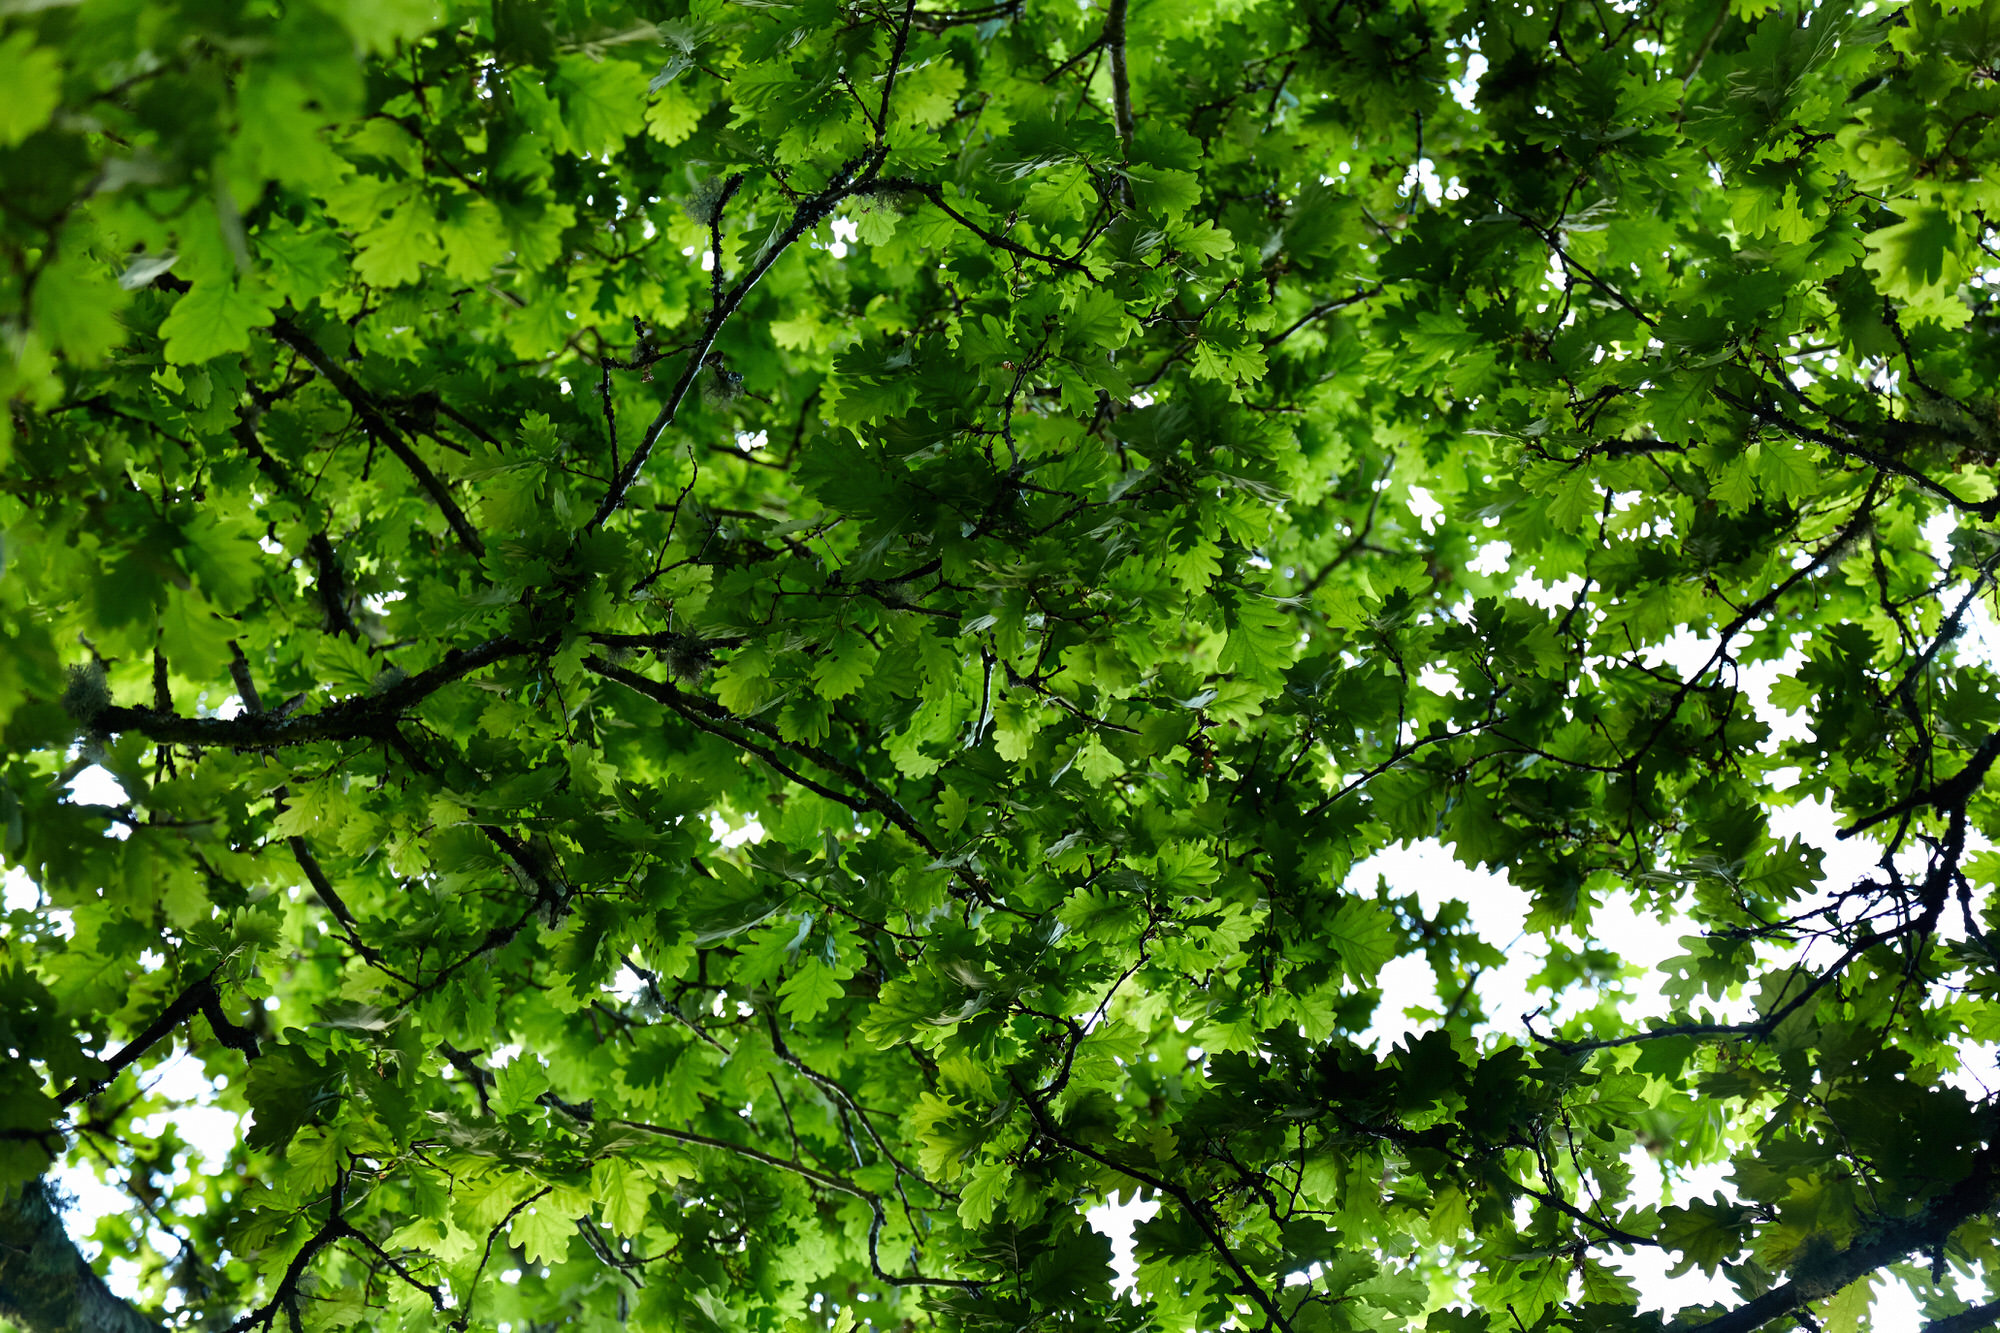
<point x="213" y="318"/>
<point x="32" y="76"/>
<point x="985" y="1186"/>
<point x="603" y="101"/>
<point x="809" y="990"/>
<point x="543" y="1230"/>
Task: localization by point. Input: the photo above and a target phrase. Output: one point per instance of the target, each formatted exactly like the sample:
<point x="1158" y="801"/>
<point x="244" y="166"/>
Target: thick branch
<point x="1121" y="79"/>
<point x="1967" y="1321"/>
<point x="1947" y="796"/>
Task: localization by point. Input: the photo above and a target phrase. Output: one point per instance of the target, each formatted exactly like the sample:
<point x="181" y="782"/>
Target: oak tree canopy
<point x="747" y="647"/>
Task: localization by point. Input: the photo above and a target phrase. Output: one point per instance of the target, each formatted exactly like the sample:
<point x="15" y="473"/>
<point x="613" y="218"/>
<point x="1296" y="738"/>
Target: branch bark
<point x="935" y="194"/>
<point x="1967" y="1321"/>
<point x="1121" y="79"/>
<point x="709" y="716"/>
<point x="1192" y="1207"/>
<point x="1985" y="510"/>
<point x="824" y="1179"/>
<point x="810" y="213"/>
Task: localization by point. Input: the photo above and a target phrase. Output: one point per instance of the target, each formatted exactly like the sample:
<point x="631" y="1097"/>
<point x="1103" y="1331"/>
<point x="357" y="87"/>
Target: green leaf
<point x="212" y="319"/>
<point x="603" y="101"/>
<point x="380" y="24"/>
<point x="394" y="250"/>
<point x="543" y="1231"/>
<point x="196" y="641"/>
<point x="519" y="1082"/>
<point x="77" y="310"/>
<point x="1359" y="933"/>
<point x="1164" y="194"/>
<point x="1914" y="255"/>
<point x="926" y="94"/>
<point x="809" y="990"/>
<point x="625" y="1193"/>
<point x="985" y="1185"/>
<point x="32" y="76"/>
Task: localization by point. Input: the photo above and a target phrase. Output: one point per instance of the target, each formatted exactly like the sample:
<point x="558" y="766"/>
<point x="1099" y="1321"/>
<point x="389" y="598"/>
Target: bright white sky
<point x="1498" y="913"/>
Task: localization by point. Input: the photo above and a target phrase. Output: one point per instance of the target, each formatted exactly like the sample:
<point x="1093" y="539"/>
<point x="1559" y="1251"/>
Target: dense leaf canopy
<point x="747" y="649"/>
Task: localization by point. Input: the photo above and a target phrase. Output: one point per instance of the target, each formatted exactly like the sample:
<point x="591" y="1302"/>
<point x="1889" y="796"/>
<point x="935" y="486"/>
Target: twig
<point x="826" y="1180"/>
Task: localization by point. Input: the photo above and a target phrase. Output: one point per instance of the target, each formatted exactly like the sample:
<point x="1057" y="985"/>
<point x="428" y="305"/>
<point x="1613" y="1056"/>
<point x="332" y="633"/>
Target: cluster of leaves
<point x="747" y="648"/>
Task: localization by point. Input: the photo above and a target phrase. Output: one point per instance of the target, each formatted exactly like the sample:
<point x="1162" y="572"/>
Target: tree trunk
<point x="45" y="1284"/>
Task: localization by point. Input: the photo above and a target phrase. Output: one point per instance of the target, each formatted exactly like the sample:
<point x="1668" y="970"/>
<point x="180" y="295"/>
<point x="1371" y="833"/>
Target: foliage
<point x="749" y="648"/>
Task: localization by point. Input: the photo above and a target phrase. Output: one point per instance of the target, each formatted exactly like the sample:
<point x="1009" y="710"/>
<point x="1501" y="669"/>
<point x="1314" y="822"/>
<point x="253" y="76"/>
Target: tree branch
<point x="1121" y="80"/>
<point x="1324" y="308"/>
<point x="199" y="998"/>
<point x="934" y="193"/>
<point x="1758" y="1029"/>
<point x="1889" y="1240"/>
<point x="377" y="425"/>
<point x="1949" y="795"/>
<point x="362" y="715"/>
<point x="1179" y="1193"/>
<point x="1967" y="1321"/>
<point x="707" y="715"/>
<point x="1986" y="510"/>
<point x="808" y="215"/>
<point x="826" y="1180"/>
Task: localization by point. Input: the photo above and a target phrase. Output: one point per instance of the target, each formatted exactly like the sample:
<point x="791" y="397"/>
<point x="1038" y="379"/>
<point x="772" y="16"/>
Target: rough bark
<point x="46" y="1286"/>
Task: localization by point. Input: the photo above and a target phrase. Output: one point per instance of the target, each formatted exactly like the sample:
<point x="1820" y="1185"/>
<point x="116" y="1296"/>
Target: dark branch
<point x="1967" y="1321"/>
<point x="934" y="193"/>
<point x="809" y="214"/>
<point x="378" y="426"/>
<point x="1947" y="796"/>
<point x="826" y="1180"/>
<point x="1121" y="79"/>
<point x="199" y="998"/>
<point x="362" y="715"/>
<point x="1886" y="1242"/>
<point x="719" y="721"/>
<point x="1193" y="1208"/>
<point x="1987" y="510"/>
